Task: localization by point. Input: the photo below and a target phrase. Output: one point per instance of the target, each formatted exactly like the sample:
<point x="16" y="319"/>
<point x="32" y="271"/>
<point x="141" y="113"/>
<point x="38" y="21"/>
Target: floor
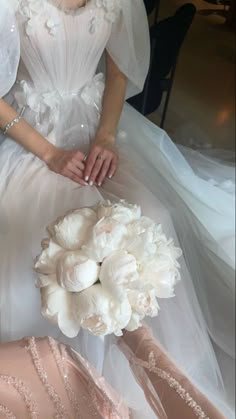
<point x="202" y="105"/>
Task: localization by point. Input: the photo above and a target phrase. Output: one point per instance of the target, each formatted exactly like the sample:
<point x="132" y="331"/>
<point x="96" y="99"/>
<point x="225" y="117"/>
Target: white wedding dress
<point x="60" y="88"/>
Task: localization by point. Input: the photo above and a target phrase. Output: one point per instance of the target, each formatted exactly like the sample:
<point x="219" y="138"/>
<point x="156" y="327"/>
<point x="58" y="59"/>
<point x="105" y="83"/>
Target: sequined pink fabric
<point x="40" y="378"/>
<point x="169" y="392"/>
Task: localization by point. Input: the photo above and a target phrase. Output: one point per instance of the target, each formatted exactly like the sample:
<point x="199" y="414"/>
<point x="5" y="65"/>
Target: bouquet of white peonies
<point x="103" y="269"/>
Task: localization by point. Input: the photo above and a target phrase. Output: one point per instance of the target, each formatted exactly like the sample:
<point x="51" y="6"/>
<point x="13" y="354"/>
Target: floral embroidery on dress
<point x="6" y="412"/>
<point x="31" y="10"/>
<point x="112" y="9"/>
<point x="151" y="365"/>
<point x="24" y="392"/>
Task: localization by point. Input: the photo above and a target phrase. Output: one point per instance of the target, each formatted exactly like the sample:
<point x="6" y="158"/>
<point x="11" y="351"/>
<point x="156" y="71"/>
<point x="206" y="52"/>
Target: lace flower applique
<point x="112" y="9"/>
<point x="32" y="10"/>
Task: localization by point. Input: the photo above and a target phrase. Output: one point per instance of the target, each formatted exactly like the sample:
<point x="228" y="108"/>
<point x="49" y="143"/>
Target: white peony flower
<point x="147" y="226"/>
<point x="162" y="271"/>
<point x="72" y="230"/>
<point x="143" y="238"/>
<point x="98" y="312"/>
<point x="107" y="236"/>
<point x="122" y="211"/>
<point x="75" y="272"/>
<point x="143" y="303"/>
<point x="57" y="307"/>
<point x="104" y="268"/>
<point x="46" y="262"/>
<point x="140" y="248"/>
<point x="117" y="273"/>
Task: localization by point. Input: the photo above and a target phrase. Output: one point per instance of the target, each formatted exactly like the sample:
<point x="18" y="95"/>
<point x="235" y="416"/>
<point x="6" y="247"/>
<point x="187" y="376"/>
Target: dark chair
<point x="152" y="5"/>
<point x="167" y="37"/>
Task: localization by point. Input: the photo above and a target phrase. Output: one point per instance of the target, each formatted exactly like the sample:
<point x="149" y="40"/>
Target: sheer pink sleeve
<point x="41" y="379"/>
<point x="169" y="392"/>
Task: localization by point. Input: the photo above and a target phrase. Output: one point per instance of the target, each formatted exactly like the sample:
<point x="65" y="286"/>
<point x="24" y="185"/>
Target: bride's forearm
<point x="113" y="101"/>
<point x="24" y="134"/>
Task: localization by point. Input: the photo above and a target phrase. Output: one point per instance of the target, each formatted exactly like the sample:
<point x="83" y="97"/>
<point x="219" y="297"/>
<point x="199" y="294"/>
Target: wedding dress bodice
<point x="61" y="50"/>
<point x="60" y="53"/>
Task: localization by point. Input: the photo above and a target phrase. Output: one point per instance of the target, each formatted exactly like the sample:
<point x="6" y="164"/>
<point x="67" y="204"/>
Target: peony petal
<point x="46" y="262"/>
<point x="54" y="299"/>
<point x="134" y="323"/>
<point x="107" y="236"/>
<point x="68" y="325"/>
<point x="97" y="311"/>
<point x="117" y="273"/>
<point x="122" y="212"/>
<point x="75" y="272"/>
<point x="44" y="280"/>
<point x="71" y="231"/>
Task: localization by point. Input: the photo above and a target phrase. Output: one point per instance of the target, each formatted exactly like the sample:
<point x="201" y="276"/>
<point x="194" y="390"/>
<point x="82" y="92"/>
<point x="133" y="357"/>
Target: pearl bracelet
<point x="13" y="122"/>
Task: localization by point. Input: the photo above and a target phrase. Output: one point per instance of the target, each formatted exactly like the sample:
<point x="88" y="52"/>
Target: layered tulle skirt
<point x="154" y="174"/>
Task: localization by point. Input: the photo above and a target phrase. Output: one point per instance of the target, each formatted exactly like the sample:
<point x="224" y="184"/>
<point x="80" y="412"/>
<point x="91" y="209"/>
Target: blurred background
<point x="201" y="110"/>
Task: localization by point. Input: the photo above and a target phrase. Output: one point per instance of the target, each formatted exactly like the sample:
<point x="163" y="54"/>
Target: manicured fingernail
<point x="91" y="183"/>
<point x="86" y="178"/>
<point x="110" y="176"/>
<point x="100" y="184"/>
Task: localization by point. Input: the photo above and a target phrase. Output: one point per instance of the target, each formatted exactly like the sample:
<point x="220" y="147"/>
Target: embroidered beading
<point x="109" y="409"/>
<point x="24" y="392"/>
<point x="62" y="367"/>
<point x="5" y="411"/>
<point x="173" y="383"/>
<point x="61" y="412"/>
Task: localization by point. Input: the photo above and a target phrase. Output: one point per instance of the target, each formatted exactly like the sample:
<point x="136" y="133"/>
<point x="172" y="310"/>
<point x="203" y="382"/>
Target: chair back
<point x="167" y="37"/>
<point x="150" y="5"/>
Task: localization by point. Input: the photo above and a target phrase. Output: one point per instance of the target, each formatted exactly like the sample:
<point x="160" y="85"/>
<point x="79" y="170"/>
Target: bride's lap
<point x="124" y="185"/>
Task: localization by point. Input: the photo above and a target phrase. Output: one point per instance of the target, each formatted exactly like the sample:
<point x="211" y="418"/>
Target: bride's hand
<point x="69" y="164"/>
<point x="101" y="162"/>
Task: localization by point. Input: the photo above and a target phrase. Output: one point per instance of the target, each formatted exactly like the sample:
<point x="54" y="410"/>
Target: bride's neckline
<point x="69" y="10"/>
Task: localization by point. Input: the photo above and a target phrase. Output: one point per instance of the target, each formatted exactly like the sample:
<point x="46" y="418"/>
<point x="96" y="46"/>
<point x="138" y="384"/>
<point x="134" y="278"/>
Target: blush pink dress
<point x="40" y="378"/>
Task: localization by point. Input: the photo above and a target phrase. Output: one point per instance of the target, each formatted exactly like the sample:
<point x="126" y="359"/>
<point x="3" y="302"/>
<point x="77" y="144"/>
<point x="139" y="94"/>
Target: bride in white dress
<point x="63" y="154"/>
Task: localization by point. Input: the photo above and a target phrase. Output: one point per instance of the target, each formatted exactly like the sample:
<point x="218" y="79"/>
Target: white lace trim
<point x="31" y="10"/>
<point x="112" y="9"/>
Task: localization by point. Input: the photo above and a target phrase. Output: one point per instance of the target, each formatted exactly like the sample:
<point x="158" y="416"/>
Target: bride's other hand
<point x="101" y="162"/>
<point x="68" y="163"/>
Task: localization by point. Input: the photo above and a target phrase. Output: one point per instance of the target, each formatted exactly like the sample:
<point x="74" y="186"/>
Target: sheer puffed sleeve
<point x="9" y="47"/>
<point x="129" y="44"/>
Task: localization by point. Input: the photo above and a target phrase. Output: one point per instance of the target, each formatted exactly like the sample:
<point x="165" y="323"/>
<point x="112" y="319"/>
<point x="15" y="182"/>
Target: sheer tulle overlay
<point x="41" y="378"/>
<point x="61" y="95"/>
